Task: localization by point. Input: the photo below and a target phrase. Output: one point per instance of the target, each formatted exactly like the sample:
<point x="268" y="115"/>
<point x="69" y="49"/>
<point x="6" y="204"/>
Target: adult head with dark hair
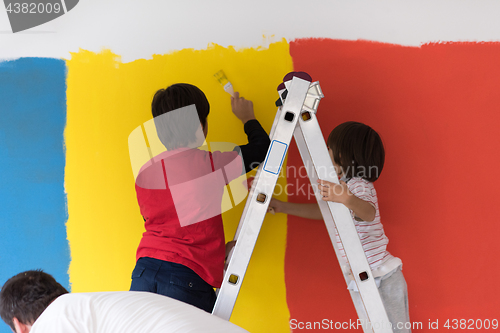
<point x="358" y="150"/>
<point x="25" y="296"/>
<point x="178" y="112"/>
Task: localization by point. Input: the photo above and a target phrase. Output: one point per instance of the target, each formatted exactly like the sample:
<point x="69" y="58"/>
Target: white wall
<point x="138" y="29"/>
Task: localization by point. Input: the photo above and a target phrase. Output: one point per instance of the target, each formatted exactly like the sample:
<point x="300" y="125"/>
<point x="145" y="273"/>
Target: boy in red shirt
<point x="181" y="254"/>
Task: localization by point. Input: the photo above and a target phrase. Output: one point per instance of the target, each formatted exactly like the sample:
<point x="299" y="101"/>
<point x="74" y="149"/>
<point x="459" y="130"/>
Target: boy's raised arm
<point x="255" y="151"/>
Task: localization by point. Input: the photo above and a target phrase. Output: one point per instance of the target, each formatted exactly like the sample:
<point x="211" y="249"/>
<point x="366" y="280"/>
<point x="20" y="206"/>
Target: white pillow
<point x="126" y="312"/>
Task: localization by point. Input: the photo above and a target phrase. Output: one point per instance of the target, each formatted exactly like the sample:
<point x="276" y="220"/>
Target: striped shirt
<point x="371" y="234"/>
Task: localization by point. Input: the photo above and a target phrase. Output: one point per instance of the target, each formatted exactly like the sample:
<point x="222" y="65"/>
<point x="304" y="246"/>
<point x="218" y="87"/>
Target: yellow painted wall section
<point x="106" y="101"/>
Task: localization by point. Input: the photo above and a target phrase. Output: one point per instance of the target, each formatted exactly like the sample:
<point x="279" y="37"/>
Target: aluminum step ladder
<point x="296" y="116"/>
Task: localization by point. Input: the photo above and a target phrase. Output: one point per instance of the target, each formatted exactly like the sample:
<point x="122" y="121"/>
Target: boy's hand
<point x="275" y="206"/>
<point x="334" y="192"/>
<point x="229" y="246"/>
<point x="242" y="108"/>
<point x="363" y="210"/>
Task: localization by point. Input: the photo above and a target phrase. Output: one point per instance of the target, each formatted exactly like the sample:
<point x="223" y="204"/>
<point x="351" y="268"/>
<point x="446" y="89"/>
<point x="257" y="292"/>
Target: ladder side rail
<point x="275" y="122"/>
<point x="330" y="226"/>
<point x="347" y="232"/>
<point x="323" y="205"/>
<point x="368" y="290"/>
<point x="253" y="218"/>
<point x="363" y="318"/>
<point x="257" y="174"/>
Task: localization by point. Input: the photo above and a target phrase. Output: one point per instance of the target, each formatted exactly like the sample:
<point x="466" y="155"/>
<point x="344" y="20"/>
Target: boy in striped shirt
<point x="358" y="155"/>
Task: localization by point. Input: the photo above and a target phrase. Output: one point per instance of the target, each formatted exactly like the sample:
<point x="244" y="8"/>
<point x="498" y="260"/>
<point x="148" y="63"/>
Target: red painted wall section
<point x="437" y="108"/>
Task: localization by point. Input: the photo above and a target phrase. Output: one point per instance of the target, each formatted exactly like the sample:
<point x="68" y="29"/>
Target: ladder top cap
<point x="301" y="75"/>
<point x="281" y="86"/>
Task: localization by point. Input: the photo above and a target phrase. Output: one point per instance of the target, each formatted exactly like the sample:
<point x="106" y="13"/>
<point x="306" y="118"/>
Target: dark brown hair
<point x="26" y="295"/>
<point x="172" y="131"/>
<point x="358" y="150"/>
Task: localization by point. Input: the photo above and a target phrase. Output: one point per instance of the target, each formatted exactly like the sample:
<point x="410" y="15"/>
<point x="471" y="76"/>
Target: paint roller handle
<point x="242" y="108"/>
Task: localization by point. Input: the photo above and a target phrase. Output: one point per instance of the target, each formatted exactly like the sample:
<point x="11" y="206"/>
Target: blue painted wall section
<point x="32" y="159"/>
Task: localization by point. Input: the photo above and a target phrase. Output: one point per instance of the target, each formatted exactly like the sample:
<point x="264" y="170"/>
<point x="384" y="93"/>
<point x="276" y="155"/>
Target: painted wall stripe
<point x="32" y="160"/>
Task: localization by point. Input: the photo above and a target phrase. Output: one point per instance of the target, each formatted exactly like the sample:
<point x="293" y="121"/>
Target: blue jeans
<point x="172" y="280"/>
